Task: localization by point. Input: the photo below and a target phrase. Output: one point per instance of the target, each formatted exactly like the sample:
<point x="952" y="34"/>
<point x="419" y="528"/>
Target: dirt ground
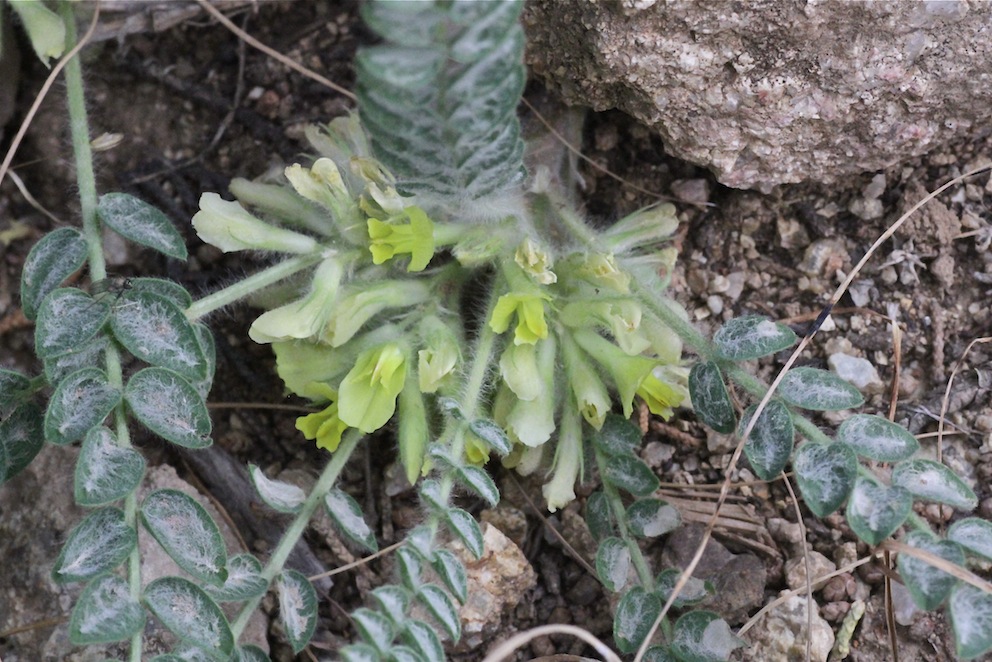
<point x="172" y="94"/>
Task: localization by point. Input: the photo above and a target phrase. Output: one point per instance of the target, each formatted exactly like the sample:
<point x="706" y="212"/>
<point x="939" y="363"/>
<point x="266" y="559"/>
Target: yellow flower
<point x="369" y="390"/>
<point x="415" y="238"/>
<point x="529" y="309"/>
<point x="536" y="262"/>
<point x="324" y="426"/>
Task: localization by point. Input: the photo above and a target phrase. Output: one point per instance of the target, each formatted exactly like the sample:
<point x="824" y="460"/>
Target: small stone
<point x="783" y="634"/>
<point x="715" y="304"/>
<point x="795" y="570"/>
<point x="840" y="587"/>
<point x="496" y="583"/>
<point x="835" y="611"/>
<point x="857" y="371"/>
<point x="782" y="530"/>
<point x="655" y="454"/>
<point x="736" y="288"/>
<point x="693" y="191"/>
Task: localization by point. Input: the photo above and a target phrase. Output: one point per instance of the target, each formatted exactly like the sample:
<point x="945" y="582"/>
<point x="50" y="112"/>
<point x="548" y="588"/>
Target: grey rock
<point x="857" y="371"/>
<point x="738" y="579"/>
<point x="769" y="92"/>
<point x="783" y="633"/>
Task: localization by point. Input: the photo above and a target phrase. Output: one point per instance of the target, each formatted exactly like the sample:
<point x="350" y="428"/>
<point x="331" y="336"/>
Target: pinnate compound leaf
<point x="932" y="481"/>
<point x="167" y="289"/>
<point x="187" y="533"/>
<point x="244" y="580"/>
<point x="189" y="613"/>
<point x="702" y="636"/>
<point x="974" y="534"/>
<point x="349" y="519"/>
<point x="442" y="609"/>
<point x="403" y="654"/>
<point x="105" y="472"/>
<point x="710" y="399"/>
<point x="650" y="518"/>
<point x="67" y="319"/>
<point x="452" y="573"/>
<point x="599" y="518"/>
<point x="877" y="438"/>
<point x="209" y="349"/>
<point x="95" y="546"/>
<point x="927" y="585"/>
<point x="81" y="401"/>
<point x="105" y="612"/>
<point x="284" y="497"/>
<point x="695" y="590"/>
<point x="769" y="446"/>
<point x="54" y="258"/>
<point x="618" y="436"/>
<point x="13" y="388"/>
<point x="825" y="473"/>
<point x="479" y="481"/>
<point x="819" y="390"/>
<point x="492" y="434"/>
<point x="410" y="567"/>
<point x="142" y="223"/>
<point x="156" y="331"/>
<point x="421" y="638"/>
<point x="359" y="653"/>
<point x="249" y="653"/>
<point x="297" y="607"/>
<point x="393" y="602"/>
<point x="613" y="563"/>
<point x="87" y="355"/>
<point x="629" y="473"/>
<point x="169" y="406"/>
<point x="635" y="615"/>
<point x="464" y="526"/>
<point x="751" y="337"/>
<point x="874" y="512"/>
<point x="971" y="620"/>
<point x="374" y="628"/>
<point x="659" y="654"/>
<point x="22" y="436"/>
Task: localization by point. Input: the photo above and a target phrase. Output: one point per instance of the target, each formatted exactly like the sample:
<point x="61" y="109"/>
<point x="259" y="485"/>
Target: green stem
<point x="620" y="516"/>
<point x="647" y="285"/>
<point x="86" y="181"/>
<point x="299" y="524"/>
<point x="250" y="285"/>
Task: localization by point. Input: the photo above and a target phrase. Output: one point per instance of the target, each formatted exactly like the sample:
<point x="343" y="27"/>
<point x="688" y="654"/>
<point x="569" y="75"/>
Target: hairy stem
<point x="250" y="285"/>
<point x="299" y="524"/>
<point x="86" y="181"/>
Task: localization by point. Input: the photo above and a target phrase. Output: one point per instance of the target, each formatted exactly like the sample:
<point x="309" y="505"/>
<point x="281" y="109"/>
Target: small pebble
<point x="715" y="304"/>
<point x="857" y="371"/>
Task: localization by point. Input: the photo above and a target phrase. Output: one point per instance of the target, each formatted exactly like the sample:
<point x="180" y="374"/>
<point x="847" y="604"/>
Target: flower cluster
<point x="381" y="323"/>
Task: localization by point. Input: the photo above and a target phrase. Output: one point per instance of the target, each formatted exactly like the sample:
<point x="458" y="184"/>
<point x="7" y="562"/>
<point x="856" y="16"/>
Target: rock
<point x="795" y="570"/>
<point x="738" y="579"/>
<point x="765" y="93"/>
<point x="859" y="372"/>
<point x="496" y="584"/>
<point x="781" y="635"/>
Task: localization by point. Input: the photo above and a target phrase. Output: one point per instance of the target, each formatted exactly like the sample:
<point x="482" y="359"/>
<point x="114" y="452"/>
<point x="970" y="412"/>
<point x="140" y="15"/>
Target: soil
<point x="197" y="108"/>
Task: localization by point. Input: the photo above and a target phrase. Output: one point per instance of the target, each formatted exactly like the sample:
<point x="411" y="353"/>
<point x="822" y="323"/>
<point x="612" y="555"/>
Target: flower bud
<point x="229" y="227"/>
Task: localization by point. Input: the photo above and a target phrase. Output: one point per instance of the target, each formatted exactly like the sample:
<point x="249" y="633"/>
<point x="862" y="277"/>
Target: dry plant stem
<point x="938" y="562"/>
<point x="359" y="562"/>
<point x="947" y="391"/>
<point x="506" y="649"/>
<point x="299" y="524"/>
<point x="68" y="57"/>
<point x="806" y="565"/>
<point x="255" y="43"/>
<point x="785" y="595"/>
